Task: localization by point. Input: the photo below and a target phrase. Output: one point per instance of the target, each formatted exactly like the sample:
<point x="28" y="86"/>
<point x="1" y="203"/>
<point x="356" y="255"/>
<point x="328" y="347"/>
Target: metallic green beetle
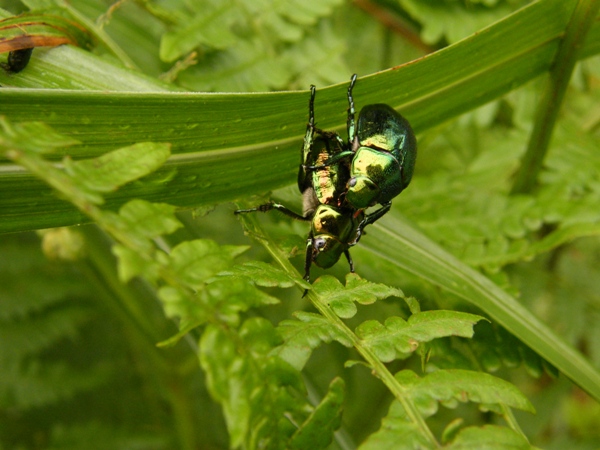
<point x="383" y="149"/>
<point x="332" y="230"/>
<point x="333" y="225"/>
<point x="330" y="233"/>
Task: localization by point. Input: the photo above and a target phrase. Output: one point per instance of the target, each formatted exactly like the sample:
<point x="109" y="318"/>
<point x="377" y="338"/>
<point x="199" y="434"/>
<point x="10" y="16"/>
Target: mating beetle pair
<point x="381" y="152"/>
<point x="339" y="180"/>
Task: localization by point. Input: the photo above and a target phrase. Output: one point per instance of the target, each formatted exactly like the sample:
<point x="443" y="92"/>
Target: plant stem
<point x="379" y="369"/>
<point x="581" y="21"/>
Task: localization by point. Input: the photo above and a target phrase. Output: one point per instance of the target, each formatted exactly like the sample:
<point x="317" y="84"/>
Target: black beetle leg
<point x="308" y="261"/>
<point x="350" y="262"/>
<point x="276" y="206"/>
<point x="371" y="218"/>
<point x="310" y="126"/>
<point x="351" y="111"/>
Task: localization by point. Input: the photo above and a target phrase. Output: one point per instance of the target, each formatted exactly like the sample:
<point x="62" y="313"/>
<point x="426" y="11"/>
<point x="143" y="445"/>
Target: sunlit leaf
<point x="398" y="338"/>
<point x="304" y="335"/>
<point x="452" y="386"/>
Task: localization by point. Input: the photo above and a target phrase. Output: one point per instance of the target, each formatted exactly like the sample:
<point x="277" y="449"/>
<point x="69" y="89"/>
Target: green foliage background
<point x="79" y="365"/>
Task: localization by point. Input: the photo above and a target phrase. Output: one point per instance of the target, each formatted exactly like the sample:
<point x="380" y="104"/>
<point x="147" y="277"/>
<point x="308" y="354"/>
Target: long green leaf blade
<point x="231" y="145"/>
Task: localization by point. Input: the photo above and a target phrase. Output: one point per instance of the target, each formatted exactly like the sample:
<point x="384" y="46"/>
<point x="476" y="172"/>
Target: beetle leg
<point x="308" y="258"/>
<point x="310" y="126"/>
<point x="349" y="258"/>
<point x="351" y="124"/>
<point x="307" y="262"/>
<point x="277" y="206"/>
<point x="330" y="161"/>
<point x="369" y="219"/>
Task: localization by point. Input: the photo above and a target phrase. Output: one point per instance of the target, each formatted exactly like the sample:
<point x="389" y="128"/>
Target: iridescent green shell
<point x="384" y="159"/>
<point x="331" y="230"/>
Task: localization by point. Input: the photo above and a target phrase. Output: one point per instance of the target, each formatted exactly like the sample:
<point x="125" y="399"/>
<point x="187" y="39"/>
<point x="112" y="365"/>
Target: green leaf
<point x="142" y="221"/>
<point x="263" y="274"/>
<point x="80" y="181"/>
<point x="41" y="30"/>
<point x="341" y="299"/>
<point x="178" y="302"/>
<point x="449" y="387"/>
<point x="209" y="25"/>
<point x="230" y="296"/>
<point x="317" y="431"/>
<point x="133" y="264"/>
<point x="217" y="137"/>
<point x="440" y="20"/>
<point x="35" y="137"/>
<point x="222" y="298"/>
<point x="254" y="387"/>
<point x="38" y="385"/>
<point x="234" y="58"/>
<point x="108" y="172"/>
<point x="395" y="428"/>
<point x="198" y="260"/>
<point x="239" y="68"/>
<point x="410" y="250"/>
<point x="399" y="338"/>
<point x="452" y="386"/>
<point x="444" y="204"/>
<point x="149" y="220"/>
<point x="67" y="67"/>
<point x="489" y="437"/>
<point x="302" y="336"/>
<point x="217" y="355"/>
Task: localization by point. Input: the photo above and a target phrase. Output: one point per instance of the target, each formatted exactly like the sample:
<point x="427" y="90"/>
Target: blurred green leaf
<point x="149" y="219"/>
<point x="111" y="170"/>
<point x="36" y="137"/>
<point x="316" y="432"/>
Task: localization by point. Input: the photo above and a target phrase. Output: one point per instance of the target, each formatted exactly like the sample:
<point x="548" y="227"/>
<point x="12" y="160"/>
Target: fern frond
<point x="26" y="385"/>
<point x="250" y="46"/>
<point x="39" y="331"/>
<point x="398" y="338"/>
<point x="508" y="229"/>
<point x="357" y="290"/>
<point x="449" y="388"/>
